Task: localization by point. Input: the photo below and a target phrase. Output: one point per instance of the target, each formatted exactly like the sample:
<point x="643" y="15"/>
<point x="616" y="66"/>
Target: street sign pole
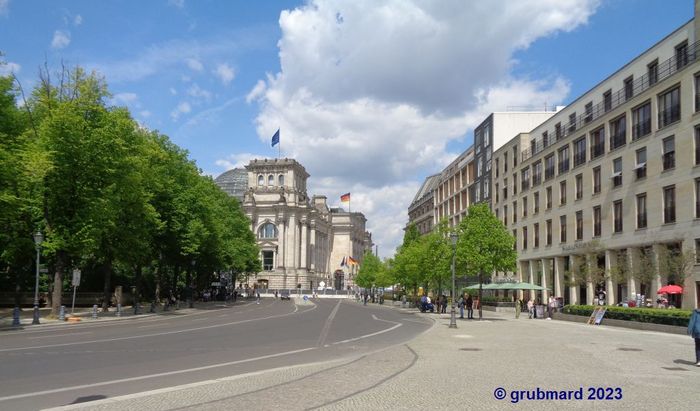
<point x="76" y="283"/>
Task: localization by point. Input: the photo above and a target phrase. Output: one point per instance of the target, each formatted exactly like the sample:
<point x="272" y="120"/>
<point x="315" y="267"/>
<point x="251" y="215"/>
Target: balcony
<point x="669" y="115"/>
<point x="641" y="129"/>
<point x="597" y="150"/>
<point x="618" y="140"/>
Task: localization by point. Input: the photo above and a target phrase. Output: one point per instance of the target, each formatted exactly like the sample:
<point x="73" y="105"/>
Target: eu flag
<point x="276" y="138"/>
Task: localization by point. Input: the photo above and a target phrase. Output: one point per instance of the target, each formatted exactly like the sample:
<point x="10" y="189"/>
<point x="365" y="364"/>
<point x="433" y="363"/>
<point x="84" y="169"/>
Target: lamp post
<point x="38" y="239"/>
<point x="453" y="315"/>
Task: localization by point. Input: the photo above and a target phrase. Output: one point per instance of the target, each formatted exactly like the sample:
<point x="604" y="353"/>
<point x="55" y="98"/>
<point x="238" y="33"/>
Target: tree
<point x="675" y="263"/>
<point x="371" y="271"/>
<point x="484" y="244"/>
<point x="437" y="261"/>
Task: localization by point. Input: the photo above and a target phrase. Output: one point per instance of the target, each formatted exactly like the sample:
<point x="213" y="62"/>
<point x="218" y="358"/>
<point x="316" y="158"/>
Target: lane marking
<point x="327" y="325"/>
<point x="371" y="334"/>
<point x="161" y="374"/>
<point x="156" y="334"/>
<point x="59" y="335"/>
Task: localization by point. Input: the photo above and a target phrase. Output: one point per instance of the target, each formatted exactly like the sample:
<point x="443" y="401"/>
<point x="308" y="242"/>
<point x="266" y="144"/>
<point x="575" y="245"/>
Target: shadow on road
<point x="89" y="398"/>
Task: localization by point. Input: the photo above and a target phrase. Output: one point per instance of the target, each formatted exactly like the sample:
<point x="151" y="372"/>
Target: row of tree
<point x="119" y="201"/>
<point x="483" y="245"/>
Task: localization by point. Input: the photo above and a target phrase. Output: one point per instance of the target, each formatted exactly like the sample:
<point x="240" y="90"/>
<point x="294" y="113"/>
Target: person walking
<point x="530" y="308"/>
<point x="518" y="307"/>
<point x="470" y="307"/>
<point x="444" y="304"/>
<point x="694" y="331"/>
<point x="461" y="306"/>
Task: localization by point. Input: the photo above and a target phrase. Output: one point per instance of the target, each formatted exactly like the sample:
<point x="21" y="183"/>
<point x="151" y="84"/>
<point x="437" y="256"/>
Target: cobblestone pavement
<point x="461" y="369"/>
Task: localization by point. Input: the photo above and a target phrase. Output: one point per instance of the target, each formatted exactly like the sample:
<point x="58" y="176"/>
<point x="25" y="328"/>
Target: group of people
<point x="552" y="305"/>
<point x="466" y="302"/>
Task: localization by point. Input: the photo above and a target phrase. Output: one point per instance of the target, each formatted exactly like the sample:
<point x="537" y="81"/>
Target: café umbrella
<point x="670" y="289"/>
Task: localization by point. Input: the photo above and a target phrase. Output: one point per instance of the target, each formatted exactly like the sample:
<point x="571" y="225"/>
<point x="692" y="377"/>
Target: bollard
<point x="94" y="312"/>
<point x="15" y="317"/>
<point x="153" y="307"/>
<point x="119" y="310"/>
<point x="62" y="313"/>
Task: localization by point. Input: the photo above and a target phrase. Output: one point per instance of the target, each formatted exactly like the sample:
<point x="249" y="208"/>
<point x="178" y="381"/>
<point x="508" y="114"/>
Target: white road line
<point x="327" y="325"/>
<point x="144" y="377"/>
<point x="59" y="335"/>
<point x="154" y="334"/>
<point x="372" y="334"/>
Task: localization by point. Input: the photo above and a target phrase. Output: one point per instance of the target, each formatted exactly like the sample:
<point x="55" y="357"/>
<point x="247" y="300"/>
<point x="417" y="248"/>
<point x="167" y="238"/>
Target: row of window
<point x="270" y="180"/>
<point x="668" y="217"/>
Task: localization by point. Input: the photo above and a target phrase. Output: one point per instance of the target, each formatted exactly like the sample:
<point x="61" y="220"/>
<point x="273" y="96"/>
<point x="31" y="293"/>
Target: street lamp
<point x="38" y="239"/>
<point x="453" y="315"/>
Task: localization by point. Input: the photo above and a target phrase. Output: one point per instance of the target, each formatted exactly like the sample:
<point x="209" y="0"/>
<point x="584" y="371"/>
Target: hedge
<point x="643" y="315"/>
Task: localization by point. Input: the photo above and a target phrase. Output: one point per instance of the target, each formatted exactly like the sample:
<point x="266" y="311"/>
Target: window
<point x="479" y="164"/>
<point x="268" y="260"/>
<point x="617" y="172"/>
<point x="653" y="72"/>
<point x="486" y="188"/>
<point x="562" y="192"/>
<point x="548" y="232"/>
<point x="267" y="230"/>
<point x="588" y="111"/>
<point x="281" y="179"/>
<point x="579" y="151"/>
<point x="515" y="212"/>
<point x="617" y="216"/>
<point x="618" y="132"/>
<point x="524" y="238"/>
<point x="536" y="202"/>
<point x="607" y="100"/>
<point x="629" y="87"/>
<point x="549" y="166"/>
<point x="642" y="210"/>
<point x="596" y="180"/>
<point x="536" y="229"/>
<point x="669" y="204"/>
<point x="697" y="198"/>
<point x="697" y="93"/>
<point x="525" y="179"/>
<point x="505" y="215"/>
<point x="697" y="251"/>
<point x="572" y="121"/>
<point x="505" y="188"/>
<point x="641" y="167"/>
<point x="487" y="136"/>
<point x="669" y="107"/>
<point x="669" y="157"/>
<point x="557" y="131"/>
<point x="537" y="173"/>
<point x="641" y="121"/>
<point x="681" y="55"/>
<point x="562" y="229"/>
<point x="515" y="183"/>
<point x="596" y="221"/>
<point x="497" y="192"/>
<point x="515" y="156"/>
<point x="579" y="225"/>
<point x="598" y="143"/>
<point x="579" y="186"/>
<point x="261" y="180"/>
<point x="497" y="167"/>
<point x="533" y="147"/>
<point x="545" y="139"/>
<point x="505" y="162"/>
<point x="524" y="206"/>
<point x="564" y="159"/>
<point x="697" y="145"/>
<point x="271" y="180"/>
<point x="549" y="198"/>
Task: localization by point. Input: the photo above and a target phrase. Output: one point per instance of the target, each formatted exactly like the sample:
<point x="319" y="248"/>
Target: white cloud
<point x="182" y="108"/>
<point x="225" y="73"/>
<point x="60" y="39"/>
<point x="7" y="68"/>
<point x="194" y="64"/>
<point x="173" y="91"/>
<point x="369" y="95"/>
<point x="199" y="93"/>
<point x="78" y="20"/>
<point x="125" y="98"/>
<point x="236" y="160"/>
<point x="4" y="7"/>
<point x="177" y="3"/>
<point x="145" y="113"/>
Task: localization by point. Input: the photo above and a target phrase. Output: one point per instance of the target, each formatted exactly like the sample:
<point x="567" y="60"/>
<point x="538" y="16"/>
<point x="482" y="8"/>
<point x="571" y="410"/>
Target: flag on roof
<point x="352" y="261"/>
<point x="276" y="138"/>
<point x="345" y="198"/>
<point x="343" y="263"/>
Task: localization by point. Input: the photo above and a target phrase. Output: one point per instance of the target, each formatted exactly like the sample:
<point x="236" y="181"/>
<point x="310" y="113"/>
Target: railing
<point x="597" y="150"/>
<point x="669" y="160"/>
<point x="579" y="158"/>
<point x="564" y="166"/>
<point x="618" y="140"/>
<point x="669" y="115"/>
<point x="642" y="129"/>
<point x="664" y="70"/>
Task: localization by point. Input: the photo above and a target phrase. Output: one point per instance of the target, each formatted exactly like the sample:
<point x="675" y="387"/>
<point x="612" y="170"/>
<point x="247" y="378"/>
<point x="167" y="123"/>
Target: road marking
<point x="372" y="334"/>
<point x="59" y="335"/>
<point x="155" y="334"/>
<point x="144" y="377"/>
<point x="327" y="325"/>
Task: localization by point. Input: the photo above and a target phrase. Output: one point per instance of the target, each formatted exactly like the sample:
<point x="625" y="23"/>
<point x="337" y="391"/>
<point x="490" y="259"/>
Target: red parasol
<point x="670" y="289"/>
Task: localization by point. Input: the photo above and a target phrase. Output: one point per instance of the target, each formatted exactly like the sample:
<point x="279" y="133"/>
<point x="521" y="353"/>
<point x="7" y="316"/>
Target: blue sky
<point x="371" y="96"/>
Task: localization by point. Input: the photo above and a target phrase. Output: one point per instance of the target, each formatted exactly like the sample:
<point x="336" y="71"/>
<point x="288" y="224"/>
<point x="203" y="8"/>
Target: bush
<point x="642" y="315"/>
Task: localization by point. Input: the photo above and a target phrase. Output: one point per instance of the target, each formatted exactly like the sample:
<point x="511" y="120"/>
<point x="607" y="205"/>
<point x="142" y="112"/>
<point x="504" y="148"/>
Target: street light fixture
<point x="453" y="315"/>
<point x="38" y="239"/>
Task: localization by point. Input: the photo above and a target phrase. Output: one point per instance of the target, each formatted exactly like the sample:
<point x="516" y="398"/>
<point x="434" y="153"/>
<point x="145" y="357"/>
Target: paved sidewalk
<point x="461" y="369"/>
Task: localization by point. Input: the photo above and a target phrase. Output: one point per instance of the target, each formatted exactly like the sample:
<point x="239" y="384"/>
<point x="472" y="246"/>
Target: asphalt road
<point x="66" y="364"/>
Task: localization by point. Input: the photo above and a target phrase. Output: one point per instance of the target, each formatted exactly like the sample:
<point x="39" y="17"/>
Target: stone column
<point x="519" y="277"/>
<point x="281" y="237"/>
<point x="532" y="266"/>
<point x="632" y="258"/>
<point x="558" y="276"/>
<point x="590" y="290"/>
<point x="573" y="289"/>
<point x="312" y="247"/>
<point x="657" y="282"/>
<point x="291" y="241"/>
<point x="610" y="286"/>
<point x="304" y="240"/>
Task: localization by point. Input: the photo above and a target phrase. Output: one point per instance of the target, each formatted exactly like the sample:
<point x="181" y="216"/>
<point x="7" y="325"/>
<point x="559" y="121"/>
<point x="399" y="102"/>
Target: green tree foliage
<point x="437" y="260"/>
<point x="373" y="272"/>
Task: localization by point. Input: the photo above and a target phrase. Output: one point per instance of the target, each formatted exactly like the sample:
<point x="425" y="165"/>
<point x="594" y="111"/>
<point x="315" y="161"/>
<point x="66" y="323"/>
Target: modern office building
<point x="604" y="196"/>
<point x="302" y="241"/>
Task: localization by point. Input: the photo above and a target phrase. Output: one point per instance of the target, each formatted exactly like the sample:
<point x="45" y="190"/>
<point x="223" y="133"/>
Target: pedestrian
<point x="444" y="304"/>
<point x="275" y="294"/>
<point x="518" y="307"/>
<point x="530" y="308"/>
<point x="460" y="304"/>
<point x="365" y="298"/>
<point x="257" y="297"/>
<point x="550" y="307"/>
<point x="470" y="307"/>
<point x="694" y="331"/>
<point x="403" y="301"/>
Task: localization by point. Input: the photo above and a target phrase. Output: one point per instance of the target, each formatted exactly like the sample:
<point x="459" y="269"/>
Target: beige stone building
<point x="604" y="196"/>
<point x="301" y="240"/>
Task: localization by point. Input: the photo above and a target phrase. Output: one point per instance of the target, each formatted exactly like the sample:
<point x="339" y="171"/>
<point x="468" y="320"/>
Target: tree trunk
<point x="137" y="288"/>
<point x="106" y="268"/>
<point x="18" y="289"/>
<point x="61" y="264"/>
<point x="159" y="279"/>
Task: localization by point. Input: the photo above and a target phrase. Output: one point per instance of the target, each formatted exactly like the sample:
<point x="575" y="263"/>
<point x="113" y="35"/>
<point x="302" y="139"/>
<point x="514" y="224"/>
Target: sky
<point x="371" y="96"/>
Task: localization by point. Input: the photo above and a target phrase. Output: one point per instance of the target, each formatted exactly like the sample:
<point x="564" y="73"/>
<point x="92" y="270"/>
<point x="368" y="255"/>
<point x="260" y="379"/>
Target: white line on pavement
<point x="143" y="377"/>
<point x="154" y="334"/>
<point x="59" y="335"/>
<point x="372" y="334"/>
<point x="327" y="325"/>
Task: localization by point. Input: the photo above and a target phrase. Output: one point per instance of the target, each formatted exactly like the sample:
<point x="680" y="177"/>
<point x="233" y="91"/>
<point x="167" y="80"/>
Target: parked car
<point x="284" y="295"/>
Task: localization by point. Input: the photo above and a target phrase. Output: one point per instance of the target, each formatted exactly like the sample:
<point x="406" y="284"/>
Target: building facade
<point x="421" y="211"/>
<point x="299" y="237"/>
<point x="604" y="196"/>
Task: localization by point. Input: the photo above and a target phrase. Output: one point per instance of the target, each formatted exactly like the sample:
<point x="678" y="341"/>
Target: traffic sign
<point x="76" y="278"/>
<point x="44" y="270"/>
